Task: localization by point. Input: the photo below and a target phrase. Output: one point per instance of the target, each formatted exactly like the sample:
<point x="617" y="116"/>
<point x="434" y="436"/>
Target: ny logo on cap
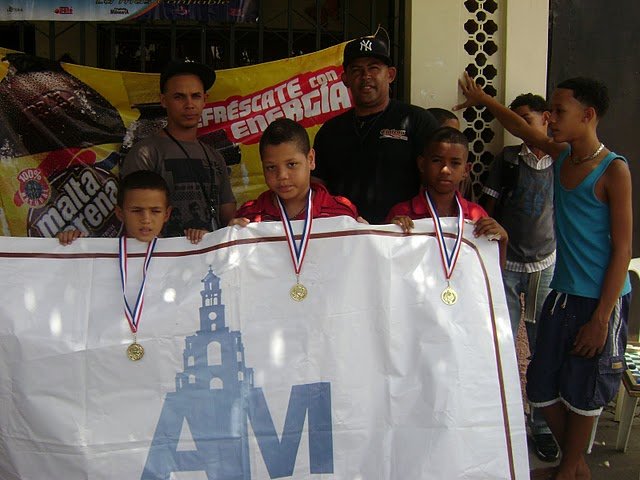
<point x="366" y="46"/>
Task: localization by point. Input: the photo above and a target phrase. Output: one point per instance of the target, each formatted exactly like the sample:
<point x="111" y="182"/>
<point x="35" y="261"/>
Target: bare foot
<point x="562" y="476"/>
<point x="546" y="473"/>
<point x="583" y="472"/>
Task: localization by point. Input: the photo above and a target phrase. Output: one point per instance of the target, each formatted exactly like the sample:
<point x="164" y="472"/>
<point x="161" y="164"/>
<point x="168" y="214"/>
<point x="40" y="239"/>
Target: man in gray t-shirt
<point x="197" y="176"/>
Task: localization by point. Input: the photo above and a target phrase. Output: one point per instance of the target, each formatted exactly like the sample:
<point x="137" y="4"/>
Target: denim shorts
<point x="584" y="385"/>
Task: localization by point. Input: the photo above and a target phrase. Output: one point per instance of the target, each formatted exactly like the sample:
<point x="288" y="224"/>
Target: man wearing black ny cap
<point x="196" y="173"/>
<point x="368" y="154"/>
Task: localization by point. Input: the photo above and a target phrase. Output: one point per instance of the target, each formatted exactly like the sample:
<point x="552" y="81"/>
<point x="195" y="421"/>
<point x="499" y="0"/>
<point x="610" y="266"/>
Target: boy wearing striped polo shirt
<point x="519" y="194"/>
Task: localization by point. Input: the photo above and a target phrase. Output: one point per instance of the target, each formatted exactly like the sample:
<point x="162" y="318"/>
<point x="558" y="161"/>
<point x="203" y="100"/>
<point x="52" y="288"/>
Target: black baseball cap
<point x="366" y="47"/>
<point x="206" y="74"/>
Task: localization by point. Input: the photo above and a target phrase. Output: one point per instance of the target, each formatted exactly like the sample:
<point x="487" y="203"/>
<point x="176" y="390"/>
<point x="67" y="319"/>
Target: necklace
<point x="277" y="201"/>
<point x="299" y="212"/>
<point x="578" y="161"/>
<point x="363" y="125"/>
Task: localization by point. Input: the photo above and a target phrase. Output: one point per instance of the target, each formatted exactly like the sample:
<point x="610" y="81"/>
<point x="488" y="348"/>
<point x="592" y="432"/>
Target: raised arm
<point x="510" y="120"/>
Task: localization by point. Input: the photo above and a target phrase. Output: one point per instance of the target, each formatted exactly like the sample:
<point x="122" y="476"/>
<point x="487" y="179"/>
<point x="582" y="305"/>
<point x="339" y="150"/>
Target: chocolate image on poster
<point x="44" y="108"/>
<point x="153" y="118"/>
<point x="219" y="140"/>
<point x="82" y="198"/>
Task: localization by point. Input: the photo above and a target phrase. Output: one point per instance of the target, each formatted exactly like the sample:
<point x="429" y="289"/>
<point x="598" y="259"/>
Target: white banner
<point x="371" y="376"/>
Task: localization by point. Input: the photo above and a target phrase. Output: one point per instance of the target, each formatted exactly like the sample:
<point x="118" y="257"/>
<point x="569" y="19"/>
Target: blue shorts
<point x="584" y="385"/>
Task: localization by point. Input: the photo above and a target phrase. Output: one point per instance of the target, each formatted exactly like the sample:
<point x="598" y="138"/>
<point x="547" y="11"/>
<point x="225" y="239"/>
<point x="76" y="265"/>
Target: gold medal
<point x="135" y="351"/>
<point x="449" y="296"/>
<point x="449" y="259"/>
<point x="298" y="292"/>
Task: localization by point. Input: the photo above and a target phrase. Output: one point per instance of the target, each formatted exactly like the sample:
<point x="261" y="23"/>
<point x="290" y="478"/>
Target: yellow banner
<point x="65" y="128"/>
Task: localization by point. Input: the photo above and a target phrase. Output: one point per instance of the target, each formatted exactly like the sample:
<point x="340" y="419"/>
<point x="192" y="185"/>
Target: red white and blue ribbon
<point x="133" y="316"/>
<point x="297" y="250"/>
<point x="449" y="258"/>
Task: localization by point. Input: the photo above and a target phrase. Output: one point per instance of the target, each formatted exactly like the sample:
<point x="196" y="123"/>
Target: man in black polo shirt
<point x="368" y="154"/>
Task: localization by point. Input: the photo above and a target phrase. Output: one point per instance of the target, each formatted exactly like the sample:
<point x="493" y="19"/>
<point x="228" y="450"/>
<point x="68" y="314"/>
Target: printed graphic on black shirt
<point x="194" y="191"/>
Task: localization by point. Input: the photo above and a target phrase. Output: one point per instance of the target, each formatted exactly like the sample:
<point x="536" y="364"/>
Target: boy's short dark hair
<point x="285" y="130"/>
<point x="442" y="114"/>
<point x="447" y="135"/>
<point x="589" y="92"/>
<point x="535" y="102"/>
<point x="143" y="180"/>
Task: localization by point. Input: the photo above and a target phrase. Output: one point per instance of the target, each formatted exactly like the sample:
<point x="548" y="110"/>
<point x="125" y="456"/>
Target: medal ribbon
<point x="448" y="259"/>
<point x="133" y="316"/>
<point x="297" y="251"/>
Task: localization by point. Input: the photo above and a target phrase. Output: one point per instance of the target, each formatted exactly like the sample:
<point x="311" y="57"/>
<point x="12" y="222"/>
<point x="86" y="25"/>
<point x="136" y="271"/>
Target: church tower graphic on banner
<point x="209" y="402"/>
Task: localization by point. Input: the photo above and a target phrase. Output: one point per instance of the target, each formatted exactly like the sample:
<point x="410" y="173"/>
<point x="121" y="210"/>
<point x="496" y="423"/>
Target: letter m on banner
<point x="280" y="454"/>
<point x="218" y="431"/>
